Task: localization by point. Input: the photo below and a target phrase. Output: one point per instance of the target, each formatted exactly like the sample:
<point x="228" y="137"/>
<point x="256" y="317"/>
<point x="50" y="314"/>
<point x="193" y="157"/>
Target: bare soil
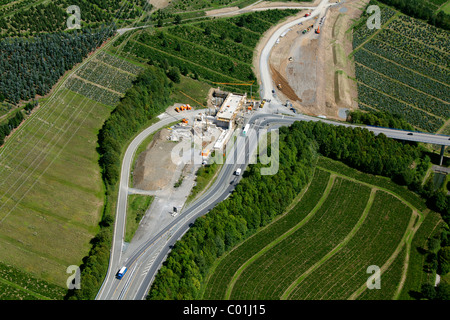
<point x="159" y="4"/>
<point x="154" y="168"/>
<point x="320" y="69"/>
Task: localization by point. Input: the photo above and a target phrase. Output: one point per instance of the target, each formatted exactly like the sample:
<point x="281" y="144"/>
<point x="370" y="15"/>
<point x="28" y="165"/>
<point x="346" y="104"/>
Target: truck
<point x="238" y="171"/>
<point x="244" y="132"/>
<point x="121" y="273"/>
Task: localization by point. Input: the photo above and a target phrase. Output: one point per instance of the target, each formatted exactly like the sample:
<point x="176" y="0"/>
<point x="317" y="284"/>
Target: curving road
<point x="144" y="262"/>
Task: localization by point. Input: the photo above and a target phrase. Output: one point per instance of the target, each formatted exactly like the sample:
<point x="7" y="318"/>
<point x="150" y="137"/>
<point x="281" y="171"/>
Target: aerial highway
<point x="144" y="262"/>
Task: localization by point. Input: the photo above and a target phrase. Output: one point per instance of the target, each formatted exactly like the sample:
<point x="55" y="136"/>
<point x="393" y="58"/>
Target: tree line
<point x="13" y="123"/>
<point x="379" y="119"/>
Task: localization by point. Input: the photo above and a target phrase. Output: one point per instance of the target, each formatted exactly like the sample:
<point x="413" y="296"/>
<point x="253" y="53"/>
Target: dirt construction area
<point x="313" y="68"/>
<point x="154" y="168"/>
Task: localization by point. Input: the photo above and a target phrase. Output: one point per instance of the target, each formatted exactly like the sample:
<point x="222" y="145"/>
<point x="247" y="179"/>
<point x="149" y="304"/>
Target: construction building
<point x="232" y="104"/>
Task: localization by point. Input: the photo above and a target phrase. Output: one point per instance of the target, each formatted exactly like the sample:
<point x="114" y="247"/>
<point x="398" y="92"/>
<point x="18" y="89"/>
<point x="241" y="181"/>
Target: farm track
<point x="374" y="244"/>
<point x="407" y="238"/>
<point x="384" y="26"/>
<point x="226" y="269"/>
<point x="97" y="85"/>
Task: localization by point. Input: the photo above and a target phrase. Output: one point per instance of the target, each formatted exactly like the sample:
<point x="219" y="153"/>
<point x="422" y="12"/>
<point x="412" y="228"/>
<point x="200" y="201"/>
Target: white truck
<point x="238" y="172"/>
<point x="245" y="131"/>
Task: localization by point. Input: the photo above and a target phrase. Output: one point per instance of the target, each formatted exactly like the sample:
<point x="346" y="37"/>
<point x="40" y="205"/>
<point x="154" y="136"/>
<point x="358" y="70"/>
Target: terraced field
<point x="404" y="68"/>
<point x="344" y="222"/>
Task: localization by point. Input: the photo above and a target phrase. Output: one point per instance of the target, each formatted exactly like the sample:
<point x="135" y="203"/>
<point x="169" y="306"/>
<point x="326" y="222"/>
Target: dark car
<point x="410" y="134"/>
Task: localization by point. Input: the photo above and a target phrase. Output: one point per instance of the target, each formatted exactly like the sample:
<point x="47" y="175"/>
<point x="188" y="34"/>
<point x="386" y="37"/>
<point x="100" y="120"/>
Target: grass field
<point x="343" y="223"/>
<point x="446" y="8"/>
<point x="137" y="206"/>
<point x="51" y="188"/>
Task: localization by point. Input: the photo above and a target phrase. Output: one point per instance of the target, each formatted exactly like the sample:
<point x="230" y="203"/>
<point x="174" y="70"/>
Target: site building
<point x="229" y="109"/>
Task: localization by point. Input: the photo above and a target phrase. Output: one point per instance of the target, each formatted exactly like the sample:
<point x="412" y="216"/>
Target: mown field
<point x="344" y="222"/>
<point x="404" y="68"/>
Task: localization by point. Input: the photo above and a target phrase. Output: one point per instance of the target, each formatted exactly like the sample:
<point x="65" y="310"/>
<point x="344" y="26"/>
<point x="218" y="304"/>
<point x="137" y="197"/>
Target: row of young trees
<point x="421" y="9"/>
<point x="258" y="199"/>
<point x="146" y="99"/>
<point x="13" y="122"/>
<point x="379" y="119"/>
<point x="30" y="67"/>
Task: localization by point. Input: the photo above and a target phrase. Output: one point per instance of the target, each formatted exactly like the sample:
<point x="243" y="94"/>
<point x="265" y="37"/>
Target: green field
<point x="446" y="8"/>
<point x="344" y="222"/>
<point x="137" y="206"/>
<point x="52" y="193"/>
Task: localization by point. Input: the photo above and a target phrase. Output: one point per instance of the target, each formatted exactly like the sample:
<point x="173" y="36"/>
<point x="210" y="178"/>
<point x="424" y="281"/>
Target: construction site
<point x="198" y="135"/>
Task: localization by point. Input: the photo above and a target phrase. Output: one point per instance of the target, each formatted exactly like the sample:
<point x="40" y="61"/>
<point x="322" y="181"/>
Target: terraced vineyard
<point x="404" y="68"/>
<point x="344" y="222"/>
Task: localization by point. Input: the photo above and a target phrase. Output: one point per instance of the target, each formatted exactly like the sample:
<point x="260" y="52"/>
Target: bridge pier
<point x="442" y="155"/>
